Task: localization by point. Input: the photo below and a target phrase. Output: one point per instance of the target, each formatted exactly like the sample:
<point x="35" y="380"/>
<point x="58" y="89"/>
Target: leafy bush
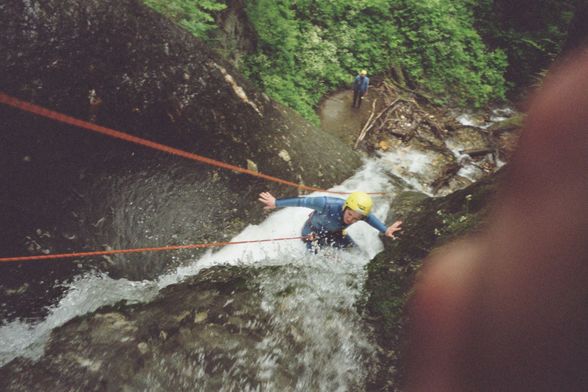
<point x="531" y="34"/>
<point x="443" y="52"/>
<point x="309" y="47"/>
<point x="306" y="48"/>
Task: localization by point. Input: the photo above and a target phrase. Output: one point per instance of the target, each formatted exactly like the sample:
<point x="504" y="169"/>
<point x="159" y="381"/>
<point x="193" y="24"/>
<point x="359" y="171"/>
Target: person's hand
<point x="505" y="310"/>
<point x="267" y="199"/>
<point x="393" y="228"/>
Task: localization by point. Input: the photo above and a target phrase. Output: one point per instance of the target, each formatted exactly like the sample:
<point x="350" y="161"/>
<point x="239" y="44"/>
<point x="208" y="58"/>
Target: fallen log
<point x="369" y="125"/>
<point x="476" y="152"/>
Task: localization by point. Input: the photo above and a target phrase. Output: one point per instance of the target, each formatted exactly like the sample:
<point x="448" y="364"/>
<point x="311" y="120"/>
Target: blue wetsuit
<point x="326" y="221"/>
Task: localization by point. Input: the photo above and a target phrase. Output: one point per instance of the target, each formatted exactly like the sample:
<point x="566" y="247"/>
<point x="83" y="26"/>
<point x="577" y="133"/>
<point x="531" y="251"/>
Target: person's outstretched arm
<point x="378" y="225"/>
<point x="270" y="202"/>
<point x="393" y="228"/>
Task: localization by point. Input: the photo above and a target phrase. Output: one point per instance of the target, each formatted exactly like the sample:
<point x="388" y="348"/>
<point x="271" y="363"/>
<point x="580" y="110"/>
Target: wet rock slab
<point x="429" y="222"/>
<point x="193" y="336"/>
<point x="228" y="328"/>
<point x="122" y="65"/>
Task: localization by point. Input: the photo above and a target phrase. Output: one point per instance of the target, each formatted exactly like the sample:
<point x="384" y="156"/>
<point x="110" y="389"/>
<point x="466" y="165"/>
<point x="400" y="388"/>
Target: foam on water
<point x="86" y="294"/>
<point x="89" y="292"/>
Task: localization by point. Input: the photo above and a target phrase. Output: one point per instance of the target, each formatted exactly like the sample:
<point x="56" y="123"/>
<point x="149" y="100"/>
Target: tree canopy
<point x="463" y="52"/>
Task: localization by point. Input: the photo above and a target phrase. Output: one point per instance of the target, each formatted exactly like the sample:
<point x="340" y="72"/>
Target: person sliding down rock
<point x="326" y="225"/>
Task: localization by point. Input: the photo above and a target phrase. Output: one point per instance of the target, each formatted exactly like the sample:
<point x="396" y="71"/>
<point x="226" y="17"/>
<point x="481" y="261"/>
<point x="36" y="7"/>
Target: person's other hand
<point x="393" y="228"/>
<point x="507" y="310"/>
<point x="267" y="199"/>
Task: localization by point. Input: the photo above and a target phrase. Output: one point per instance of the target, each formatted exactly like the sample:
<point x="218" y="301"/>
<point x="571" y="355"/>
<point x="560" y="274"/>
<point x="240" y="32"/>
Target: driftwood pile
<point x="406" y="114"/>
<point x="413" y="119"/>
<point x="402" y="116"/>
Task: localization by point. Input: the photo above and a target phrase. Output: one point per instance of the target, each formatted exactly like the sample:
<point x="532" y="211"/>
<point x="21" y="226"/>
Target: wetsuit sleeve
<point x="365" y="84"/>
<point x="316" y="203"/>
<point x="376" y="223"/>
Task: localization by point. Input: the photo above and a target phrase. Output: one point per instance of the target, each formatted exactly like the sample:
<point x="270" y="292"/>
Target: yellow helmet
<point x="363" y="72"/>
<point x="359" y="202"/>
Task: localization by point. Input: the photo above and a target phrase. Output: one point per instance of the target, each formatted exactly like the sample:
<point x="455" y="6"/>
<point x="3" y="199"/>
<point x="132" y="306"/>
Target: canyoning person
<point x="326" y="225"/>
<point x="360" y="87"/>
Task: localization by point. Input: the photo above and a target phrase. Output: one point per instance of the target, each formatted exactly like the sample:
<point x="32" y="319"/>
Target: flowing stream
<point x="327" y="284"/>
<point x="320" y="312"/>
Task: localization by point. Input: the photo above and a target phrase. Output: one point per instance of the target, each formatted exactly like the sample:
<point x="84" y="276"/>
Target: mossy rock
<point x="427" y="223"/>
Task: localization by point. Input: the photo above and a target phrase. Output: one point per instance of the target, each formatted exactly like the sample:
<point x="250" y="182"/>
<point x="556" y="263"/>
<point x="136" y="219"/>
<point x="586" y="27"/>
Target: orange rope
<point x="139" y="250"/>
<point x="44" y="112"/>
<point x="41" y="111"/>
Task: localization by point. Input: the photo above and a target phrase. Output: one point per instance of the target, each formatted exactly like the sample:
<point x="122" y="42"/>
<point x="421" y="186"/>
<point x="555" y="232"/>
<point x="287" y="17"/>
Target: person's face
<point x="350" y="216"/>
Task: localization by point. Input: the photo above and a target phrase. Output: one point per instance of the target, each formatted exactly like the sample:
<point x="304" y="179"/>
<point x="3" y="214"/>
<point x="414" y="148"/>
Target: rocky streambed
<point x="283" y="320"/>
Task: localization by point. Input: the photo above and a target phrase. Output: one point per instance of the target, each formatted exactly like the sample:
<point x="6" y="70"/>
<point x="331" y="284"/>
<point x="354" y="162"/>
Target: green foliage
<point x="443" y="52"/>
<point x="193" y="15"/>
<point x="276" y="27"/>
<point x="530" y="33"/>
<point x="309" y="47"/>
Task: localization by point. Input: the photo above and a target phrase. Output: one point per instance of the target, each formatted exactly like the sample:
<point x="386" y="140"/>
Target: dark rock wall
<point x="153" y="79"/>
<point x="121" y="65"/>
<point x="427" y="224"/>
<point x="210" y="319"/>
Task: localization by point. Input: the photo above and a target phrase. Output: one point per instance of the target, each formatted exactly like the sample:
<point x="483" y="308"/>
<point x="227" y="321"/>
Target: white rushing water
<point x="89" y="292"/>
<point x="319" y="312"/>
<point x="330" y="282"/>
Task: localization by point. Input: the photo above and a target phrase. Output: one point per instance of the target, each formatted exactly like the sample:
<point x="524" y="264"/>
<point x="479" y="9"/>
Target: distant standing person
<point x="360" y="87"/>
